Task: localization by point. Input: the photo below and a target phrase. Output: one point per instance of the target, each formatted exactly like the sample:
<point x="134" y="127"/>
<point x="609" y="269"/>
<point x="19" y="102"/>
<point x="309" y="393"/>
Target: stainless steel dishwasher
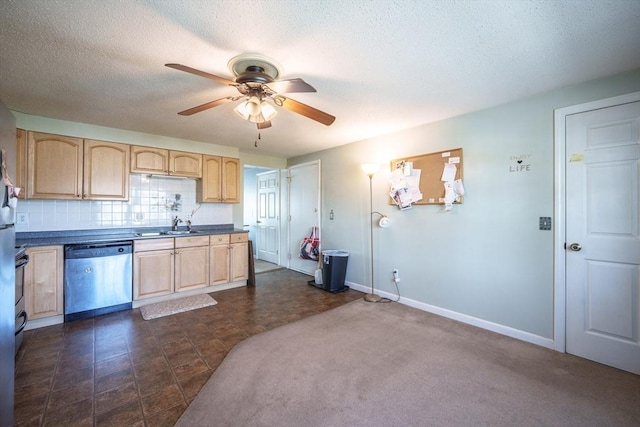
<point x="97" y="279"/>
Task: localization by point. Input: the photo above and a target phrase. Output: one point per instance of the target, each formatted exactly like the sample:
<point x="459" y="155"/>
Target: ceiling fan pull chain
<point x="255" y="144"/>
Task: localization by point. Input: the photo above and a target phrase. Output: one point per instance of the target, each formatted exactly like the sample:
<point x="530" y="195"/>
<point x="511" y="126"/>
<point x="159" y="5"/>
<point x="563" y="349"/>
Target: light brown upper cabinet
<point x="230" y="180"/>
<point x="62" y="167"/>
<point x="220" y="180"/>
<point x="185" y="164"/>
<point x="54" y="166"/>
<point x="21" y="162"/>
<point x="149" y="160"/>
<point x="159" y="161"/>
<point x="106" y="171"/>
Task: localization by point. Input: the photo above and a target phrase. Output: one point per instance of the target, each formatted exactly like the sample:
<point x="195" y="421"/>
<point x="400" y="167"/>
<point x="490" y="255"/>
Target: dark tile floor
<point x="120" y="370"/>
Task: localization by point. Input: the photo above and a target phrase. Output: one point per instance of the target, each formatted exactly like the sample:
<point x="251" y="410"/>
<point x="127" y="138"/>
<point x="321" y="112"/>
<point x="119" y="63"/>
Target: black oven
<point x="22" y="259"/>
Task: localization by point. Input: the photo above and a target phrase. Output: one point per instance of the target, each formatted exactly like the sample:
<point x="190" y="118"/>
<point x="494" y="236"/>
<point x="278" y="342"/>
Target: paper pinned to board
<point x="405" y="185"/>
<point x="449" y="172"/>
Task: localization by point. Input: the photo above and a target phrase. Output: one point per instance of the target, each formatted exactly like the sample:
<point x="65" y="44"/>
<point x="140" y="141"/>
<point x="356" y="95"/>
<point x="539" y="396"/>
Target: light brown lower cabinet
<point x="153" y="268"/>
<point x="229" y="258"/>
<point x="191" y="263"/>
<point x="239" y="257"/>
<point x="169" y="265"/>
<point x="219" y="259"/>
<point x="43" y="282"/>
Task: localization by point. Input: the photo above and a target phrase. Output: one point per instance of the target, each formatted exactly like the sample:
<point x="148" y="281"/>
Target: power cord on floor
<point x="385" y="300"/>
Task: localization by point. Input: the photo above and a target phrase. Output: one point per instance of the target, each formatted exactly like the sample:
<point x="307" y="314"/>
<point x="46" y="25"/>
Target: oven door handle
<point x="24" y="322"/>
<point x="22" y="261"/>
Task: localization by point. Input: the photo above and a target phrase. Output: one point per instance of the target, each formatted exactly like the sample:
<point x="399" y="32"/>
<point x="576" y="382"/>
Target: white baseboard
<point x="464" y="318"/>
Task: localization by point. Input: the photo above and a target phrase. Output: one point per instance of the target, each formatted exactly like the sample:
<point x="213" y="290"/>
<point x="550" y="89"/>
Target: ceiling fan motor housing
<point x="254" y="74"/>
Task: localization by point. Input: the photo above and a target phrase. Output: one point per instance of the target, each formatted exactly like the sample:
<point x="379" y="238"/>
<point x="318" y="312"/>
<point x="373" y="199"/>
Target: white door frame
<point x="559" y="275"/>
<point x="292" y="247"/>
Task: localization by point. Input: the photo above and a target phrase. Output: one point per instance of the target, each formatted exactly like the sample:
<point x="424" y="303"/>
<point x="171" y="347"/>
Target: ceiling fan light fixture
<point x="253" y="106"/>
<point x="268" y="112"/>
<point x="254" y="111"/>
<point x="242" y="110"/>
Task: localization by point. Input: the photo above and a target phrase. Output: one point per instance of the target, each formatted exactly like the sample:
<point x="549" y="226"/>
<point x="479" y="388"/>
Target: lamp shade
<point x="370" y="168"/>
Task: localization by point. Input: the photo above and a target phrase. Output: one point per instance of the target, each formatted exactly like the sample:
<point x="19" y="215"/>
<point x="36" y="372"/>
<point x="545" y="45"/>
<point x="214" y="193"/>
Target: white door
<point x="304" y="211"/>
<point x="602" y="236"/>
<point x="267" y="222"/>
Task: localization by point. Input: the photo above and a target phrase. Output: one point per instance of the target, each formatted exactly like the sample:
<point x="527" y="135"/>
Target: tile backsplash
<point x="153" y="201"/>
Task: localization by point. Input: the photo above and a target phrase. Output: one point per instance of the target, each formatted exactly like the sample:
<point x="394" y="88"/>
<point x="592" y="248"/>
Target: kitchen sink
<point x="166" y="233"/>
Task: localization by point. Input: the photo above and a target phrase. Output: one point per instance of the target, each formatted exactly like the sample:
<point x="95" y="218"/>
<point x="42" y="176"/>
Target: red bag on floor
<point x="309" y="246"/>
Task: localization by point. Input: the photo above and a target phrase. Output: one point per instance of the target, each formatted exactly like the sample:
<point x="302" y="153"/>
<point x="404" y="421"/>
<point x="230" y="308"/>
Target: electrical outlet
<point x="396" y="275"/>
<point x="22" y="218"/>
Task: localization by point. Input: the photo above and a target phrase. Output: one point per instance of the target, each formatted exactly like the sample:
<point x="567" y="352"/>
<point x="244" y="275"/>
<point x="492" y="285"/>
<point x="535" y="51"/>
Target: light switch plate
<point x="545" y="223"/>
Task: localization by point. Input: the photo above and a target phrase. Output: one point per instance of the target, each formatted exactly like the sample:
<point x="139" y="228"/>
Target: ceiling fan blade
<point x="291" y="86"/>
<point x="305" y="110"/>
<point x="206" y="106"/>
<point x="264" y="125"/>
<point x="219" y="79"/>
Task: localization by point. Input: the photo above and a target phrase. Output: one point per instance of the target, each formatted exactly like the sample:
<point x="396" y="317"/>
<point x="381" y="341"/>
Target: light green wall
<point x="486" y="258"/>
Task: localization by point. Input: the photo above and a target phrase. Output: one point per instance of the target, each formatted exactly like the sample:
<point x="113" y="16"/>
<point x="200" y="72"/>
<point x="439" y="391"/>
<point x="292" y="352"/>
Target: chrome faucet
<point x="188" y="225"/>
<point x="175" y="223"/>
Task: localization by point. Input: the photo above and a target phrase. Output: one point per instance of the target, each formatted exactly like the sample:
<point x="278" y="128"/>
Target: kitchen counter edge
<point x="70" y="237"/>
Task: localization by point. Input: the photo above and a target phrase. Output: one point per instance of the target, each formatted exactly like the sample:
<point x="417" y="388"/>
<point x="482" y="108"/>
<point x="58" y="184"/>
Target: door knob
<point x="575" y="247"/>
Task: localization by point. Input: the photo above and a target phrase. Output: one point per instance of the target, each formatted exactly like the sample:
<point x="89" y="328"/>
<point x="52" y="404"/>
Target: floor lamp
<point x="370" y="169"/>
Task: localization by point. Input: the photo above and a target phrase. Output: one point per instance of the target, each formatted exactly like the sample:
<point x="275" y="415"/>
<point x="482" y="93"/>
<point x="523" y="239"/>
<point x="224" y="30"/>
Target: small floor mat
<point x="180" y="305"/>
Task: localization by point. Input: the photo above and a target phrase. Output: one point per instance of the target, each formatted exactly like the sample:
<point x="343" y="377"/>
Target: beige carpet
<point x="366" y="364"/>
<point x="180" y="305"/>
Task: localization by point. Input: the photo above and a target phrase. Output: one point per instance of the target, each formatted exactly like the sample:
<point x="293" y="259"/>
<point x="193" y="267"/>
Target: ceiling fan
<point x="256" y="80"/>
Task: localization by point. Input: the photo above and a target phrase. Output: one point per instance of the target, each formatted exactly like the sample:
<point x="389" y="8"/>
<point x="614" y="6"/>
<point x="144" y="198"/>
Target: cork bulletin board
<point x="431" y="166"/>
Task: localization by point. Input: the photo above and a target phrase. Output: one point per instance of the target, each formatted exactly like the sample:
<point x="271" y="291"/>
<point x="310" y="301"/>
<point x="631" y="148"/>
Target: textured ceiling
<point x="378" y="66"/>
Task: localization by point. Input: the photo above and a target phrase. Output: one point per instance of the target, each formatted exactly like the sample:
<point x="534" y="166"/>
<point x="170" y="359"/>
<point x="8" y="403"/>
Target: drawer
<point x="239" y="237"/>
<point x="192" y="241"/>
<point x="219" y="239"/>
<point x="152" y="244"/>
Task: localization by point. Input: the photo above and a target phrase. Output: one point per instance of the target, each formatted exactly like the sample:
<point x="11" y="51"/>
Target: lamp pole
<point x="372" y="297"/>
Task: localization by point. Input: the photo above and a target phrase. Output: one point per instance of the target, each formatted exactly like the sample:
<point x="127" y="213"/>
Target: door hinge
<point x="289" y="179"/>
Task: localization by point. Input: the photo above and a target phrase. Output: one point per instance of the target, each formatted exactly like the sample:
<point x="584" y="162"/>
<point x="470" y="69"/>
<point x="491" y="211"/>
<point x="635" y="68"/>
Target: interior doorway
<point x="262" y="212"/>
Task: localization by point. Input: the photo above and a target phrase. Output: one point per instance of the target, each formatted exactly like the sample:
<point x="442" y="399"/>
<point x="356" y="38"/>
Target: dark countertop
<point x="69" y="237"/>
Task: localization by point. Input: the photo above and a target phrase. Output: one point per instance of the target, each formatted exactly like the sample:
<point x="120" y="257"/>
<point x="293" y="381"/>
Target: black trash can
<point x="334" y="270"/>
